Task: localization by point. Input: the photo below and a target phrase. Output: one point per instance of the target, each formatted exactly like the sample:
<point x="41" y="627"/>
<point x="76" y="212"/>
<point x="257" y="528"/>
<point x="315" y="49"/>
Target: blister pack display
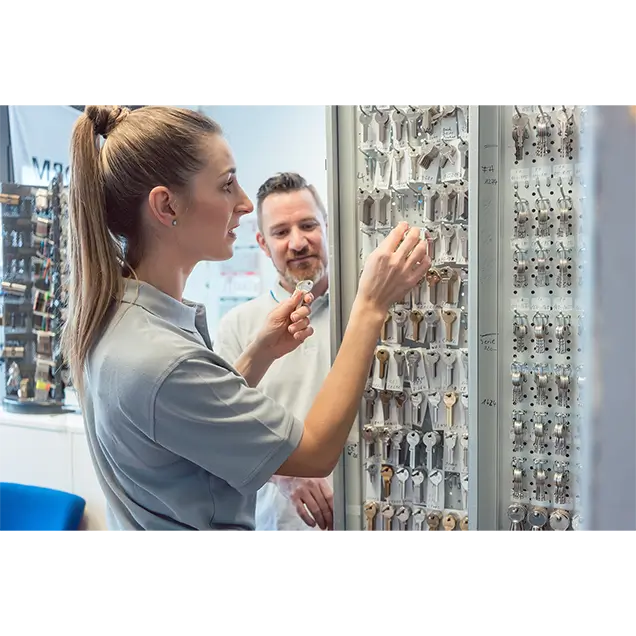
<point x="33" y="295"/>
<point x="545" y="198"/>
<point x="412" y="166"/>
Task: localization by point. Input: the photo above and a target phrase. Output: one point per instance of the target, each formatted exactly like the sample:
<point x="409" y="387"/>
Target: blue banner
<point x="352" y="584"/>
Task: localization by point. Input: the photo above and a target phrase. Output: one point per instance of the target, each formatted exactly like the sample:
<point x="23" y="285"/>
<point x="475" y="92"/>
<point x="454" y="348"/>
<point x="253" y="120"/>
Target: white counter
<point x="51" y="451"/>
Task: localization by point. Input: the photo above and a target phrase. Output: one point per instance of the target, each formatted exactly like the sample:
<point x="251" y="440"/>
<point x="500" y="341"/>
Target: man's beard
<point x="313" y="270"/>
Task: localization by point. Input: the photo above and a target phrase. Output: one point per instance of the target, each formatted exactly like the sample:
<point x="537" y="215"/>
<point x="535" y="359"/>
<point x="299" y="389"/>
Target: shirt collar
<point x="182" y="314"/>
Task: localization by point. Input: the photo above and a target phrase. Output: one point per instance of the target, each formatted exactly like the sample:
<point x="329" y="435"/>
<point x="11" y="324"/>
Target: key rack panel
<point x="515" y="214"/>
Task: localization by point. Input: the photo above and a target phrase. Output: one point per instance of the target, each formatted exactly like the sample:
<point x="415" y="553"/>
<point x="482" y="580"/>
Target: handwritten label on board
<point x="488" y="341"/>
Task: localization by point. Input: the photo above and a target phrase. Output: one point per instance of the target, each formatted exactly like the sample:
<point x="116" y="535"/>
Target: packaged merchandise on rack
<point x="33" y="284"/>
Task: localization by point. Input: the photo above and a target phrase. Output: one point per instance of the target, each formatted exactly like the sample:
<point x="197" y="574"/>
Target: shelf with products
<point x="32" y="296"/>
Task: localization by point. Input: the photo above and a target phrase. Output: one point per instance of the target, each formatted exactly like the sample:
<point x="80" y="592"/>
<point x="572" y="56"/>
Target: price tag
<point x="540" y="304"/>
<point x="520" y="175"/>
<point x="564" y="304"/>
<point x="520" y="304"/>
<point x="448" y="133"/>
<point x="541" y="172"/>
<point x="564" y="170"/>
<point x="452" y="175"/>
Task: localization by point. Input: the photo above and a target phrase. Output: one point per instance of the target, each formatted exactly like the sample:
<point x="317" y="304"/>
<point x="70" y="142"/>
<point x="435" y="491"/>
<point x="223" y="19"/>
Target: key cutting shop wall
<point x="470" y="418"/>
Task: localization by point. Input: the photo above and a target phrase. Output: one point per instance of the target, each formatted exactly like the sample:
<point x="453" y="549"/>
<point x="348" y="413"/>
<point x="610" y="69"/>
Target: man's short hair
<point x="281" y="183"/>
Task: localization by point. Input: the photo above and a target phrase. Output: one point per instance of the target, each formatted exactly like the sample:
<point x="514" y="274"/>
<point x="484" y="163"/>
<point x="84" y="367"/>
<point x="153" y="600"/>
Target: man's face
<point x="294" y="236"/>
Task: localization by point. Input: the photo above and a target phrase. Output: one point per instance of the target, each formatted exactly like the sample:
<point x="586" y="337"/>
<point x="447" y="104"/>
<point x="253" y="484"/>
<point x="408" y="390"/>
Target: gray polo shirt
<point x="292" y="381"/>
<point x="178" y="439"/>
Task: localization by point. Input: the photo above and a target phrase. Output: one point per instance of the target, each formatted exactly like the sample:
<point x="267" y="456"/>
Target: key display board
<point x="33" y="295"/>
<point x="471" y="414"/>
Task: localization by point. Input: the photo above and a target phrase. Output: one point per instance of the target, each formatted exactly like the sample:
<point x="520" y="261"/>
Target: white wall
<point x="264" y="140"/>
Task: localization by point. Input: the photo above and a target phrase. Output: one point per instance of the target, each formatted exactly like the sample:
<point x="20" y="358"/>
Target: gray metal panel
<point x="483" y="320"/>
<point x="6" y="160"/>
<point x="343" y="280"/>
<point x="609" y="479"/>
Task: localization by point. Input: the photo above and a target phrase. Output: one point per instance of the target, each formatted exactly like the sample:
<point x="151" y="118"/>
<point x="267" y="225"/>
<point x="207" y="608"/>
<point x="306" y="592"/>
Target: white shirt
<point x="293" y="381"/>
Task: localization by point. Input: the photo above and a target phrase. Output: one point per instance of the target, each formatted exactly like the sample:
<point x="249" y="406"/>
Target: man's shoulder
<point x="254" y="310"/>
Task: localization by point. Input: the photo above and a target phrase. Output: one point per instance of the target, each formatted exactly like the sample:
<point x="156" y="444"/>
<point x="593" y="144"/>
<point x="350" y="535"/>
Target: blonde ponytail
<point x="95" y="269"/>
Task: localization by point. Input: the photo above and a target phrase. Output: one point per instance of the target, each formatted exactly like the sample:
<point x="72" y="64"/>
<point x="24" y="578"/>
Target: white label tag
<point x="520" y="175"/>
<point x="540" y="304"/>
<point x="564" y="170"/>
<point x="541" y="172"/>
<point x="563" y="304"/>
<point x="520" y="304"/>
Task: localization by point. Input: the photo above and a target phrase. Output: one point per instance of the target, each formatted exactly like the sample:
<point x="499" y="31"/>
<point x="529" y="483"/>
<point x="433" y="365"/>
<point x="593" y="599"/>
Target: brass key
<point x="370" y="510"/>
<point x="385" y="325"/>
<point x="416" y="318"/>
<point x="387" y="475"/>
<point x="449" y="317"/>
<point x="433" y="520"/>
<point x="383" y="356"/>
<point x="450" y="521"/>
<point x="463" y="524"/>
<point x="385" y="398"/>
<point x="433" y="278"/>
<point x="450" y="398"/>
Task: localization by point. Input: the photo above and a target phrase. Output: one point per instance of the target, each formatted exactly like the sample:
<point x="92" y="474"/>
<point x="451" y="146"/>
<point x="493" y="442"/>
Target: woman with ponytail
<point x="179" y="438"/>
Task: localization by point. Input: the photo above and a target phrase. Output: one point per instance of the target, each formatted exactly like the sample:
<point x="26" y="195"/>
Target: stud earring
<point x="174" y="221"/>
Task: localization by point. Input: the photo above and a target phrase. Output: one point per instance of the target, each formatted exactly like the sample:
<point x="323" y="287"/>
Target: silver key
<point x="448" y="232"/>
<point x="517" y="477"/>
<point x="462" y="208"/>
<point x="563" y="378"/>
<point x="564" y="279"/>
<point x="431" y="318"/>
<point x="565" y="130"/>
<point x="543" y="215"/>
<point x="543" y="132"/>
<point x="444" y="198"/>
<point x="538" y="430"/>
<point x="382" y="119"/>
<point x="384" y="435"/>
<point x="540" y="324"/>
<point x="522" y="216"/>
<point x="565" y="210"/>
<point x="431" y="439"/>
<point x="419" y="517"/>
<point x="402" y="515"/>
<point x="560" y="477"/>
<point x="521" y="267"/>
<point x="431" y="359"/>
<point x="462" y="236"/>
<point x="428" y="210"/>
<point x="416" y="295"/>
<point x="400" y="359"/>
<point x="416" y="401"/>
<point x="450" y="442"/>
<point x="413" y="116"/>
<point x="397" y="436"/>
<point x="412" y="439"/>
<point x="541" y="260"/>
<point x="365" y="121"/>
<point x="520" y="329"/>
<point x="387" y="511"/>
<point x="463" y="400"/>
<point x="463" y="442"/>
<point x="403" y="476"/>
<point x="518" y="428"/>
<point x="559" y="433"/>
<point x="400" y="401"/>
<point x="540" y="477"/>
<point x="464" y="483"/>
<point x="417" y="477"/>
<point x="434" y="399"/>
<point x="369" y="437"/>
<point x="398" y="119"/>
<point x="520" y="122"/>
<point x="448" y="358"/>
<point x="577" y="522"/>
<point x="370" y="397"/>
<point x="372" y="469"/>
<point x="562" y="332"/>
<point x="436" y="477"/>
<point x="541" y="379"/>
<point x="518" y="378"/>
<point x="413" y="357"/>
<point x="399" y="318"/>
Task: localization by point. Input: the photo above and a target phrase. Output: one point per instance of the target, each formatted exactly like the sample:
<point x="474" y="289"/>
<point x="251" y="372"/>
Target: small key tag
<point x="564" y="170"/>
<point x="520" y="304"/>
<point x="563" y="304"/>
<point x="539" y="303"/>
<point x="520" y="175"/>
<point x="541" y="173"/>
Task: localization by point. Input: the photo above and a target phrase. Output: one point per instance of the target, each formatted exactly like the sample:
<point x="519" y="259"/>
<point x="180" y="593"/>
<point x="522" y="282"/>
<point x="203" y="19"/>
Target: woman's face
<point x="215" y="204"/>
